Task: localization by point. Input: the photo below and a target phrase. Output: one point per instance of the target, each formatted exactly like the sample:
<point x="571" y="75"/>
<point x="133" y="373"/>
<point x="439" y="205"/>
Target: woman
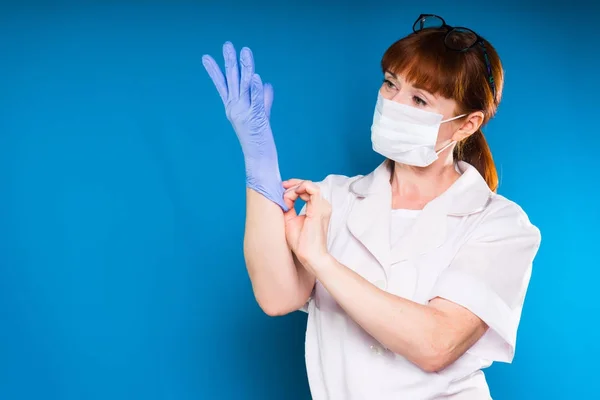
<point x="414" y="275"/>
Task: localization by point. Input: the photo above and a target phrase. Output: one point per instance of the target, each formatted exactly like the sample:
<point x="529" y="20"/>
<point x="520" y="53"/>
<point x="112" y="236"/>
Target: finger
<point x="311" y="188"/>
<point x="231" y="71"/>
<point x="247" y="67"/>
<point x="268" y="95"/>
<point x="256" y="92"/>
<point x="289" y="198"/>
<point x="210" y="65"/>
<point x="290" y="195"/>
<point x="291" y="212"/>
<point x="288" y="184"/>
<point x="291" y="189"/>
<point x="312" y="195"/>
<point x="305" y="196"/>
<point x="308" y="187"/>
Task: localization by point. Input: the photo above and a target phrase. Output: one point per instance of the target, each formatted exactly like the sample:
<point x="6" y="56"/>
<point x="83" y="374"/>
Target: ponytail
<point x="476" y="151"/>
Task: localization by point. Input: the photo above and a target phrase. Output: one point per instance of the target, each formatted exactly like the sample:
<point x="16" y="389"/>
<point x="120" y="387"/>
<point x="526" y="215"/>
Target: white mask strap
<point x="444" y="148"/>
<point x="453" y="118"/>
<point x="451" y="142"/>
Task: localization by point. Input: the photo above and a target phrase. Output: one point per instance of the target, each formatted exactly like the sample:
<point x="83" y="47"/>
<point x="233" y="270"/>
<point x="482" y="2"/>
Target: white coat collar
<point x="468" y="195"/>
<point x="369" y="218"/>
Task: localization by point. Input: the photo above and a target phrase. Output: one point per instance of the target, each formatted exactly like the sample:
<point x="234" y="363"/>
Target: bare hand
<point x="307" y="234"/>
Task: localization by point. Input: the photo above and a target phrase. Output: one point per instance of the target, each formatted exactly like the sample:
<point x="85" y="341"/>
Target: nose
<point x="397" y="97"/>
<point x="401" y="96"/>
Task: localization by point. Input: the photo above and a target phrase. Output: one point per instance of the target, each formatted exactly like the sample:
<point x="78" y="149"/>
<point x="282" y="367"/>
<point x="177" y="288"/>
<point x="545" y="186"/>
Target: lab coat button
<point x="376" y="349"/>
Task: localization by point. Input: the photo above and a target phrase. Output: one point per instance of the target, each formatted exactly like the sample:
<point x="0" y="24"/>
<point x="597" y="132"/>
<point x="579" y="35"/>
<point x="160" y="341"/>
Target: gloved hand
<point x="248" y="106"/>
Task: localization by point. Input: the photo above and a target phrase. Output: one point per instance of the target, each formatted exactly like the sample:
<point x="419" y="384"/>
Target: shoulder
<point x="503" y="218"/>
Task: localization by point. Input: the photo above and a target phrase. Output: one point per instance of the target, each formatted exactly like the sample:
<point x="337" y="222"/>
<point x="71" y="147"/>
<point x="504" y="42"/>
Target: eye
<point x="419" y="101"/>
<point x="388" y="84"/>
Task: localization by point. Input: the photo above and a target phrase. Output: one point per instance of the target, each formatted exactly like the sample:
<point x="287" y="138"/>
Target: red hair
<point x="423" y="59"/>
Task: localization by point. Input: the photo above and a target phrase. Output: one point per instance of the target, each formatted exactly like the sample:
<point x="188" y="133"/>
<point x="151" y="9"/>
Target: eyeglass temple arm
<point x="488" y="66"/>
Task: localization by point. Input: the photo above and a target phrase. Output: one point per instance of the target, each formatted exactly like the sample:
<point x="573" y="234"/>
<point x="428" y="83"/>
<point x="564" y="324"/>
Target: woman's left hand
<point x="307" y="234"/>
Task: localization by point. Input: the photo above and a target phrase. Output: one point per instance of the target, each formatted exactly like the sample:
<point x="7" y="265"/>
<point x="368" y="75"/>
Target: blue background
<point x="122" y="206"/>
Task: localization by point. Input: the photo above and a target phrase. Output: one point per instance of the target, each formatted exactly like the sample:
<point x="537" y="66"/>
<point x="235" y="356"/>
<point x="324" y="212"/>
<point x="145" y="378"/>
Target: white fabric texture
<point x="469" y="245"/>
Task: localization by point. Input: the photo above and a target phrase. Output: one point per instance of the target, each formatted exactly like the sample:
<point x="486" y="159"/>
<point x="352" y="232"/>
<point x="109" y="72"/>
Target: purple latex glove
<point x="248" y="106"/>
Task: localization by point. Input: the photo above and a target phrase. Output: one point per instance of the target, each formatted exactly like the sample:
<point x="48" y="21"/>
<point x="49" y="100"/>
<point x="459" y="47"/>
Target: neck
<point x="420" y="185"/>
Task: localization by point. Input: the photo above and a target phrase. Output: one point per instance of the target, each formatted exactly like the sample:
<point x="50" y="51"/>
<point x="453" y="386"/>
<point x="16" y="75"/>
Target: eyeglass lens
<point x="457" y="39"/>
<point x="460" y="39"/>
<point x="429" y="21"/>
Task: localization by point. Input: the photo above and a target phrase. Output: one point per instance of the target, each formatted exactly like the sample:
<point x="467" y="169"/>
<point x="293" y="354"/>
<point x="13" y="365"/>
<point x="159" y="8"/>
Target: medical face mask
<point x="406" y="134"/>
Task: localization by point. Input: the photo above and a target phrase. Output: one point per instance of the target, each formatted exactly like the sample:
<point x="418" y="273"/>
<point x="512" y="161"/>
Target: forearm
<point x="415" y="331"/>
<point x="279" y="287"/>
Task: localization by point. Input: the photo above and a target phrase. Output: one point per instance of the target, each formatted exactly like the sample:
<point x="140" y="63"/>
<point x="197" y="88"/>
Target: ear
<point x="471" y="123"/>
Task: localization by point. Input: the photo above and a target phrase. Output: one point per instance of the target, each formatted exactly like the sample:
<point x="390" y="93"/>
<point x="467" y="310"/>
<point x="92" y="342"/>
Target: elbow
<point x="446" y="347"/>
<point x="434" y="364"/>
<point x="274" y="311"/>
<point x="275" y="308"/>
<point x="435" y="359"/>
<point x="428" y="358"/>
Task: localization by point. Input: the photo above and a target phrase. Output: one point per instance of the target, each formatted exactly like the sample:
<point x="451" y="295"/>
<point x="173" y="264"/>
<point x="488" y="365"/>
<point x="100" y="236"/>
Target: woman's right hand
<point x="247" y="106"/>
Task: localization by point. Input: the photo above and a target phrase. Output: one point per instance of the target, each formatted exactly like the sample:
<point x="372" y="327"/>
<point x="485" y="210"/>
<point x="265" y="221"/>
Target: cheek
<point x="386" y="93"/>
<point x="445" y="133"/>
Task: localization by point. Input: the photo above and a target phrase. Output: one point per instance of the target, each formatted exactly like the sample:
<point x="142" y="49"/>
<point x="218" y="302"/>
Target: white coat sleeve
<point x="490" y="275"/>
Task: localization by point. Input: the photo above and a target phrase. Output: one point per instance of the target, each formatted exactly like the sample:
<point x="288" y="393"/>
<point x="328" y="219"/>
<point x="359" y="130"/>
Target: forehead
<point x="427" y="68"/>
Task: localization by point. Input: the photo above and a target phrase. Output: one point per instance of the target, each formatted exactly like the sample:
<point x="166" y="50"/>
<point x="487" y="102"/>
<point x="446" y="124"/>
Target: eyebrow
<point x="425" y="91"/>
<point x="418" y="87"/>
<point x="431" y="97"/>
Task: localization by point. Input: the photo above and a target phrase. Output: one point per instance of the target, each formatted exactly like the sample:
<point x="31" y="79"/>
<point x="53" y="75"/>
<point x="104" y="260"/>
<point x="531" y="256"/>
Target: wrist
<point x="262" y="169"/>
<point x="320" y="263"/>
<point x="261" y="179"/>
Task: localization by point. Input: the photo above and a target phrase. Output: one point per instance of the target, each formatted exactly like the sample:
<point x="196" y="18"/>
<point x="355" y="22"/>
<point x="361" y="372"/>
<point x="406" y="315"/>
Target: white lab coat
<point x="469" y="245"/>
